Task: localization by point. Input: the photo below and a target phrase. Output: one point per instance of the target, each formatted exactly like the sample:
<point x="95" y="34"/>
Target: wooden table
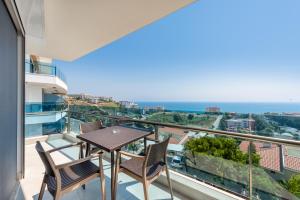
<point x="112" y="139"/>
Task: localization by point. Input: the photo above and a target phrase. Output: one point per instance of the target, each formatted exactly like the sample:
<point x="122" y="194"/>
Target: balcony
<point x="49" y="76"/>
<point x="128" y="187"/>
<point x="44" y="118"/>
<point x="194" y="175"/>
<point x="43" y="107"/>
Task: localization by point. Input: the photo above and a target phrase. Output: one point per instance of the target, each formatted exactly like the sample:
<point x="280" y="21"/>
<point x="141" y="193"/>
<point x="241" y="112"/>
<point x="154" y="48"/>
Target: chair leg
<point x="80" y="157"/>
<point x="169" y="182"/>
<point x="146" y="190"/>
<point x="57" y="196"/>
<point x="41" y="194"/>
<point x="102" y="178"/>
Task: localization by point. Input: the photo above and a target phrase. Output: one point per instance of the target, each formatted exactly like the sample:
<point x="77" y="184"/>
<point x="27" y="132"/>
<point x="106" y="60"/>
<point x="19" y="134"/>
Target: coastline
<point x="238" y="107"/>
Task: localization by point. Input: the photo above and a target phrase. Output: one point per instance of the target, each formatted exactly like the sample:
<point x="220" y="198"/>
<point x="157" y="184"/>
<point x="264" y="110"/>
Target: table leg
<point x="81" y="152"/>
<point x="87" y="151"/>
<point x="145" y="145"/>
<point x="112" y="172"/>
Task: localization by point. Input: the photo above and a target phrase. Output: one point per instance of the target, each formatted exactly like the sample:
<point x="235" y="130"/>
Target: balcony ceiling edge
<point x="73" y="28"/>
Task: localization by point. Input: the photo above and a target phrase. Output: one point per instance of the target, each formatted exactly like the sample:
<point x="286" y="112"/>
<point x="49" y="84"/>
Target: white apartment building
<point x="128" y="104"/>
<point x="235" y="124"/>
<point x="45" y="87"/>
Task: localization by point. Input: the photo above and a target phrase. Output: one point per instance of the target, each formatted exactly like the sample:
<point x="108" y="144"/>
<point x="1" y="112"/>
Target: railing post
<point x="250" y="170"/>
<point x="69" y="119"/>
<point x="250" y="159"/>
<point x="156" y="132"/>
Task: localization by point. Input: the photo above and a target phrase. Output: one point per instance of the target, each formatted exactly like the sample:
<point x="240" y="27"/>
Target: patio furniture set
<point x="95" y="139"/>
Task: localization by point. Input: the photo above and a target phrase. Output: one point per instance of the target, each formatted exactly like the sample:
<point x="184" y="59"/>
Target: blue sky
<point x="213" y="50"/>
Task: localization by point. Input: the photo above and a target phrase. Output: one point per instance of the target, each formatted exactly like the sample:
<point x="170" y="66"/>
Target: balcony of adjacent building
<point x="194" y="175"/>
<point x="45" y="76"/>
<point x="43" y="118"/>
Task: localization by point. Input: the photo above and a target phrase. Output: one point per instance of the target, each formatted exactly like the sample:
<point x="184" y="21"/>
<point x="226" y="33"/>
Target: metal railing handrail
<point x="44" y="113"/>
<point x="218" y="132"/>
<point x="246" y="136"/>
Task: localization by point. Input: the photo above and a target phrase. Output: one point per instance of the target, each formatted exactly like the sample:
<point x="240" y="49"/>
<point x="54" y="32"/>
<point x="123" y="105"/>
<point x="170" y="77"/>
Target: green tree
<point x="223" y="124"/>
<point x="227" y="148"/>
<point x="293" y="185"/>
<point x="190" y="117"/>
<point x="267" y="132"/>
<point x="177" y="118"/>
<point x="286" y="120"/>
<point x="261" y="123"/>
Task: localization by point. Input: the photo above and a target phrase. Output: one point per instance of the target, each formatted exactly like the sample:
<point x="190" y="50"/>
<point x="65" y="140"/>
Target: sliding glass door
<point x="11" y="99"/>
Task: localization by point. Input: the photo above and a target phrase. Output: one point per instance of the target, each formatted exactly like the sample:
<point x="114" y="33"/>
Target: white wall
<point x="47" y="81"/>
<point x="33" y="93"/>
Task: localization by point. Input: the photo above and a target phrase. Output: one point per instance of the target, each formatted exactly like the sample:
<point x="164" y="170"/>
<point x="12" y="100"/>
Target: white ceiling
<point x="69" y="29"/>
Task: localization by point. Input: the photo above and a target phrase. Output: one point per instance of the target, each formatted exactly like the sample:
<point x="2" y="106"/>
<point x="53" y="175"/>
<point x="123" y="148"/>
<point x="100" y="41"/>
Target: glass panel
<point x="44" y="107"/>
<point x="202" y="120"/>
<point x="44" y="118"/>
<point x="28" y="67"/>
<point x="222" y="161"/>
<point x="45" y="123"/>
<point x="278" y="125"/>
<point x="216" y="160"/>
<point x="277" y="175"/>
<point x="75" y="126"/>
<point x="42" y="68"/>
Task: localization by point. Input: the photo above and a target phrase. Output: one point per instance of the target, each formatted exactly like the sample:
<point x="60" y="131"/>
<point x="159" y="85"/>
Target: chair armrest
<point x="154" y="140"/>
<point x="131" y="155"/>
<point x="75" y="162"/>
<point x="64" y="147"/>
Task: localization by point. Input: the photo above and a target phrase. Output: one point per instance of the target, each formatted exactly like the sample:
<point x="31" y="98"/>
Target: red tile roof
<point x="180" y="134"/>
<point x="269" y="156"/>
<point x="291" y="162"/>
<point x="176" y="131"/>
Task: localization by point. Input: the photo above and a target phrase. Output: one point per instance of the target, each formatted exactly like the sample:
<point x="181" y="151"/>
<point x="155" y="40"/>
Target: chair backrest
<point x="156" y="153"/>
<point x="42" y="153"/>
<point x="91" y="126"/>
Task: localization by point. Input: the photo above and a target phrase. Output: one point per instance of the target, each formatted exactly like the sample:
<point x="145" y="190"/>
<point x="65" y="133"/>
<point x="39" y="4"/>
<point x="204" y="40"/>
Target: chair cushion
<point x="73" y="175"/>
<point x="135" y="166"/>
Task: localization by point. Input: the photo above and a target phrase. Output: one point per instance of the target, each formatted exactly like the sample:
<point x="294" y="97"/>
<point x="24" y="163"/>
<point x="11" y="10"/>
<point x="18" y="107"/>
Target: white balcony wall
<point x="33" y="93"/>
<point x="46" y="81"/>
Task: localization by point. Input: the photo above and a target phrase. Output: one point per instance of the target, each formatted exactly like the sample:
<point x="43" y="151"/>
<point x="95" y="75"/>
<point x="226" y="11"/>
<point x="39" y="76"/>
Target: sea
<point x="238" y="107"/>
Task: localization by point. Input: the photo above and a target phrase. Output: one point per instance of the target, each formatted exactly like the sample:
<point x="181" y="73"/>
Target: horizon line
<point x="191" y="101"/>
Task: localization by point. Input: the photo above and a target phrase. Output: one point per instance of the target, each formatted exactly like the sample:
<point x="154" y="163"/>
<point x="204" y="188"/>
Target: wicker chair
<point x="89" y="127"/>
<point x="145" y="169"/>
<point x="64" y="178"/>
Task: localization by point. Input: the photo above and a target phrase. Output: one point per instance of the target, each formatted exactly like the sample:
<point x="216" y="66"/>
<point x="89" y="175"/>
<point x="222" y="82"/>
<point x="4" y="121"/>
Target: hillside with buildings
<point x="90" y="100"/>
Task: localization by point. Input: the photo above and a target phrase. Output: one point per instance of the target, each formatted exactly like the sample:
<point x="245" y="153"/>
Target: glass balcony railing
<point x="45" y="123"/>
<point x="44" y="118"/>
<point x="247" y="165"/>
<point x="45" y="69"/>
<point x="43" y="107"/>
